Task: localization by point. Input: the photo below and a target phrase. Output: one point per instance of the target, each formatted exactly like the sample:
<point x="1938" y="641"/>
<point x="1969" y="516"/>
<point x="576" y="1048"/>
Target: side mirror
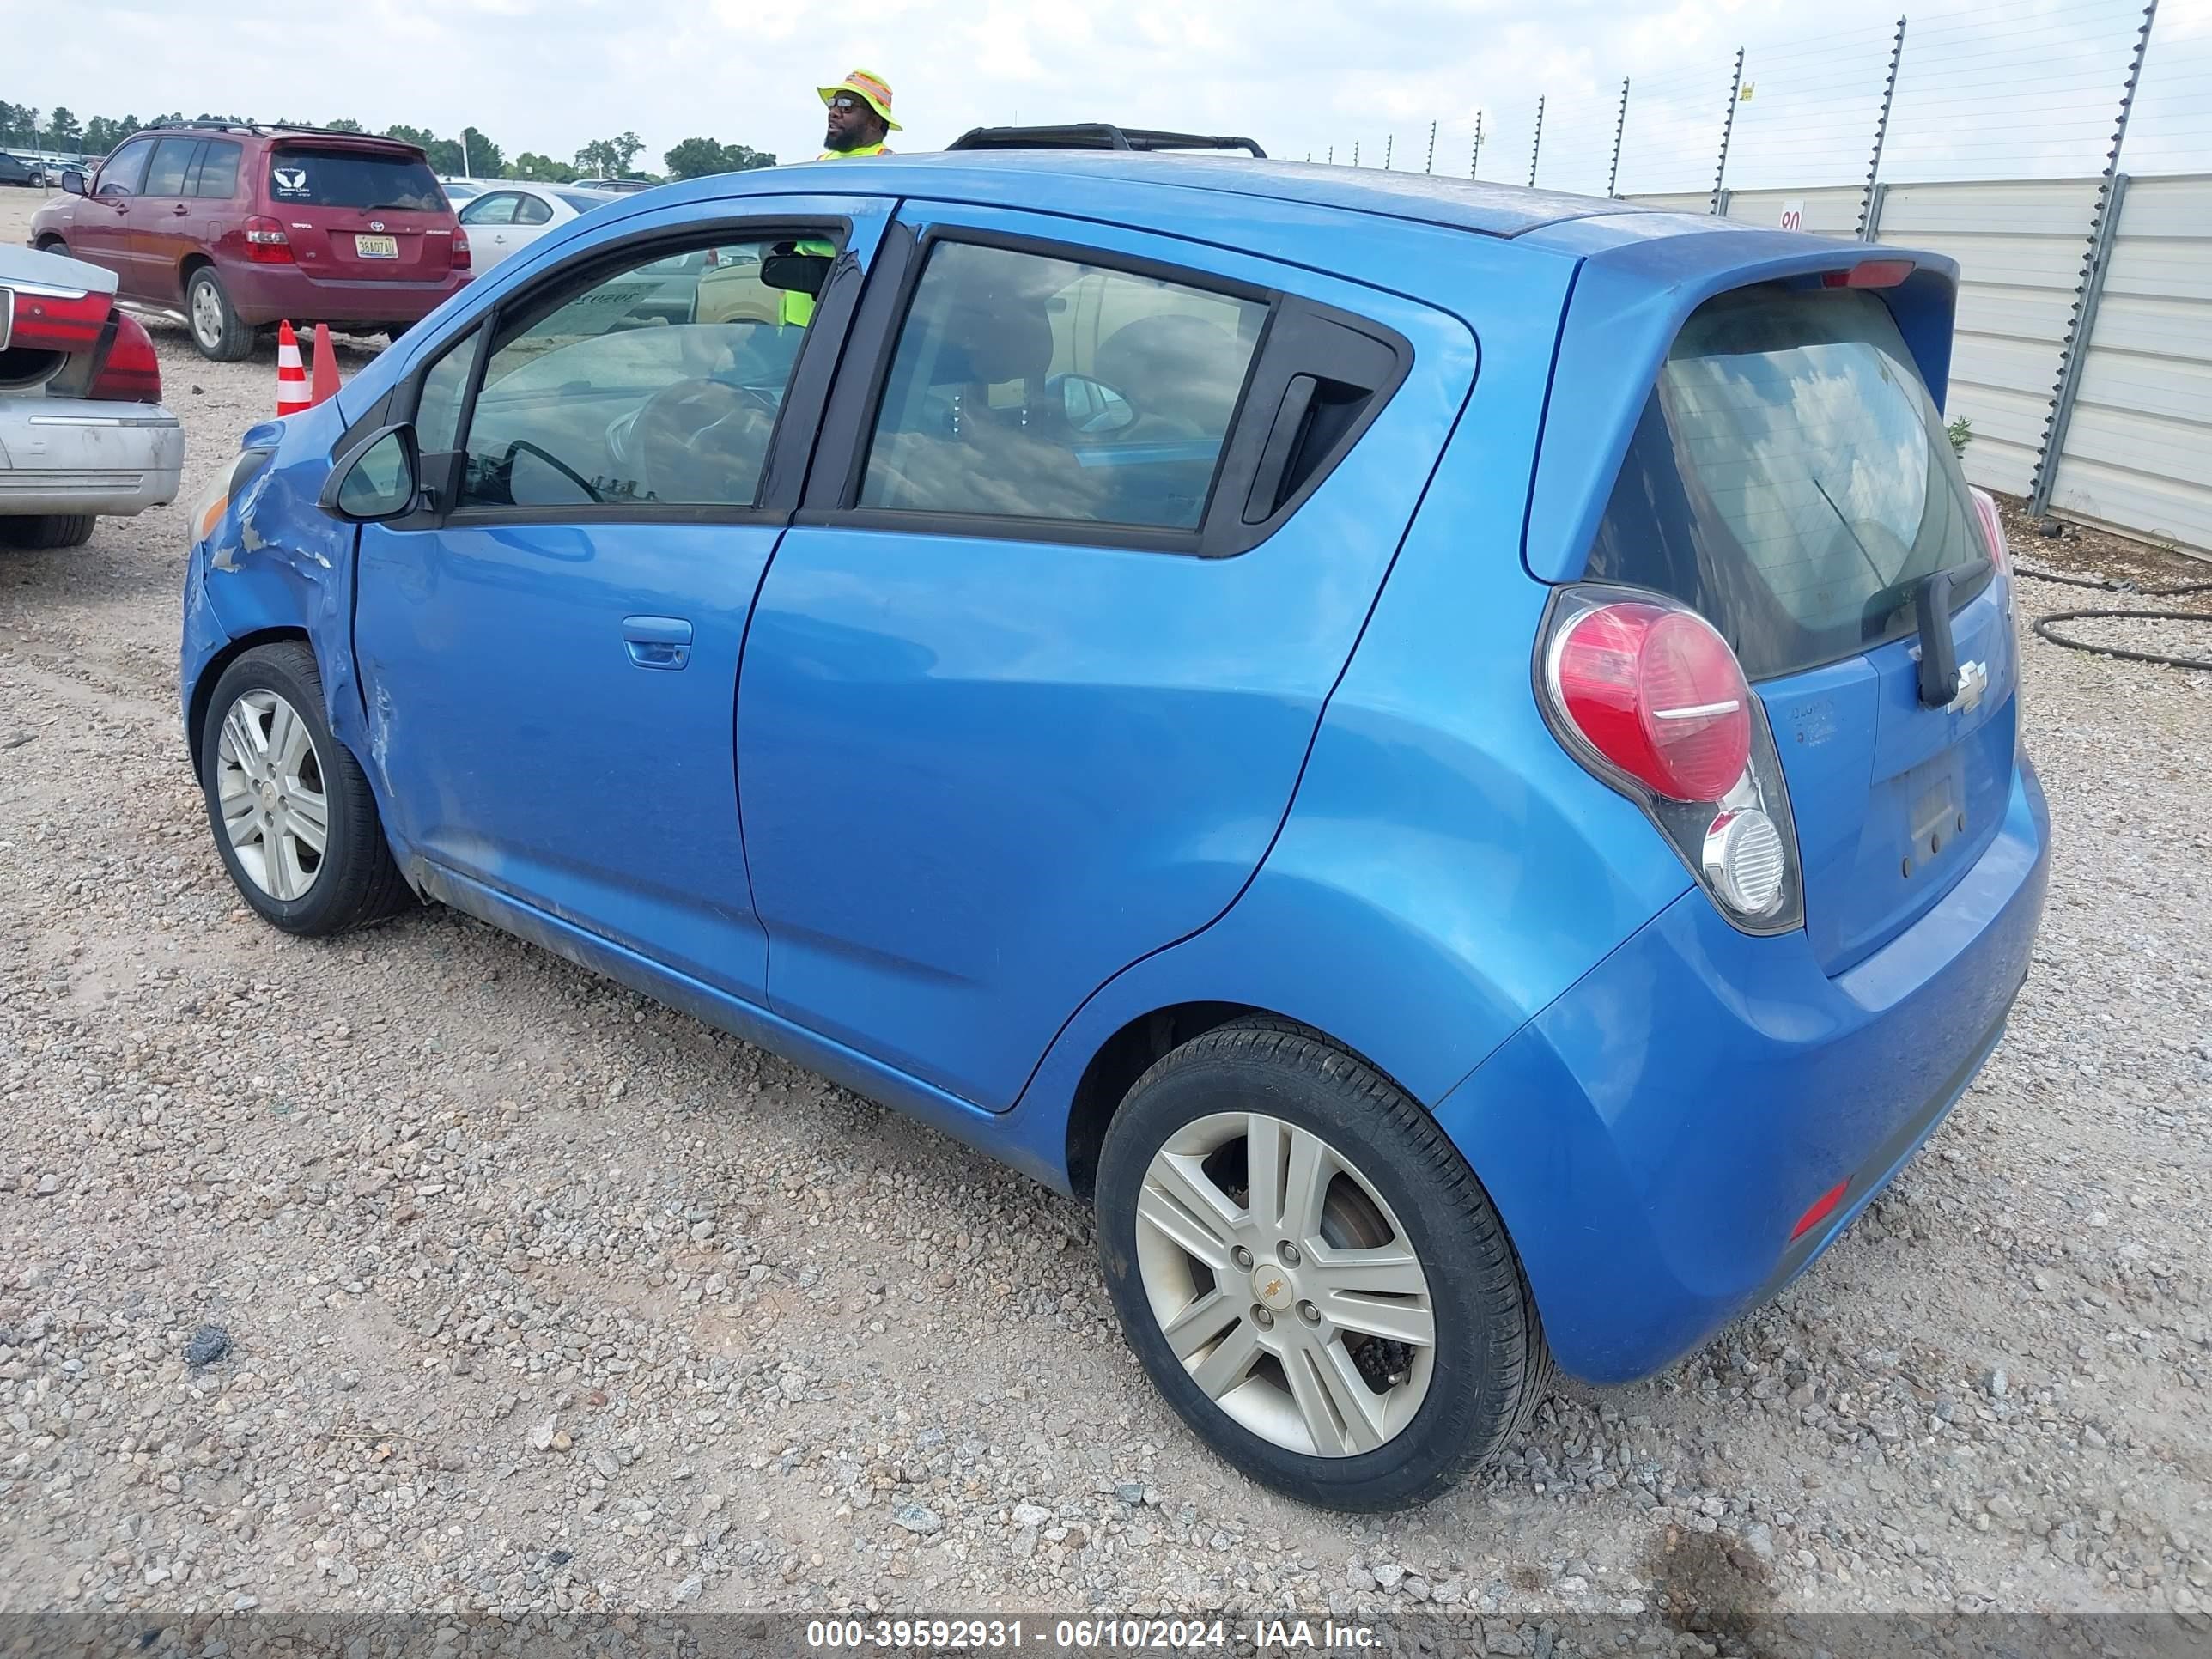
<point x="1090" y="406"/>
<point x="797" y="273"/>
<point x="379" y="478"/>
<point x="73" y="181"/>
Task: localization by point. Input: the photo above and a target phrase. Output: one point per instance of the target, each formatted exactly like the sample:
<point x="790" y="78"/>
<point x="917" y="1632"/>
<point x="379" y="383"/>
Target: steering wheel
<point x="702" y="440"/>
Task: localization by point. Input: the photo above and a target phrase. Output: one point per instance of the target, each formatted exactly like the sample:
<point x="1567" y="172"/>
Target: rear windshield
<point x="581" y="201"/>
<point x="1790" y="479"/>
<point x="353" y="179"/>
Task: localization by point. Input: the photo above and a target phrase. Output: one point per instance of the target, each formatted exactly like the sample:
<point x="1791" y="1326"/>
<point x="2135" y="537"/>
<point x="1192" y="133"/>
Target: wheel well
<point x="192" y="262"/>
<point x="203" y="687"/>
<point x="49" y="242"/>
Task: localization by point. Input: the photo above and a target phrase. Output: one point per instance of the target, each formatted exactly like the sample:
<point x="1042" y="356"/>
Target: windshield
<point x="1790" y="479"/>
<point x="353" y="179"/>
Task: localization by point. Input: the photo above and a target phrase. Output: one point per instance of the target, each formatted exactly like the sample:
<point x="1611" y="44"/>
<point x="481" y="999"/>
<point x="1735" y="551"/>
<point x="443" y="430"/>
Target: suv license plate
<point x="376" y="247"/>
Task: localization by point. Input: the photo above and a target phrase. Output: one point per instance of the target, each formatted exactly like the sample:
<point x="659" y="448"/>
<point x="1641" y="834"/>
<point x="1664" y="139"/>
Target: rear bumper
<point x="1653" y="1137"/>
<point x="110" y="460"/>
<point x="270" y="293"/>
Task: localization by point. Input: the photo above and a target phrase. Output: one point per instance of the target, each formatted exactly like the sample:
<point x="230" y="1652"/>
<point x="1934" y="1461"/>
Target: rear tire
<point x="218" y="333"/>
<point x="47" y="530"/>
<point x="276" y="779"/>
<point x="1444" y="1397"/>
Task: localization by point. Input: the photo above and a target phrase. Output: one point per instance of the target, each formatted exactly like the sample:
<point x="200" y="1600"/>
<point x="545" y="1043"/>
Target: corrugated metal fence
<point x="2114" y="427"/>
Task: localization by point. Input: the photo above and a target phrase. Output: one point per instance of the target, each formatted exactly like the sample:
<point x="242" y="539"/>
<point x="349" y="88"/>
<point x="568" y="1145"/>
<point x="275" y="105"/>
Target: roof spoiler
<point x="1098" y="135"/>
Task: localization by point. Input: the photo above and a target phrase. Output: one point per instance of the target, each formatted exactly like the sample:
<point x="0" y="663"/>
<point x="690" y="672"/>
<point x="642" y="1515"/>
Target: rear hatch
<point x="1790" y="478"/>
<point x="360" y="212"/>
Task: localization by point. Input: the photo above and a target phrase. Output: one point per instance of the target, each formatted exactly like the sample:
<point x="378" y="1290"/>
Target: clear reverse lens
<point x="1745" y="862"/>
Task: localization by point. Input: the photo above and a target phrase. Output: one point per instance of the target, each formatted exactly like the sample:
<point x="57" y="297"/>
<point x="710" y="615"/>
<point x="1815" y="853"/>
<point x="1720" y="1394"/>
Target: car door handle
<point x="180" y="209"/>
<point x="658" y="641"/>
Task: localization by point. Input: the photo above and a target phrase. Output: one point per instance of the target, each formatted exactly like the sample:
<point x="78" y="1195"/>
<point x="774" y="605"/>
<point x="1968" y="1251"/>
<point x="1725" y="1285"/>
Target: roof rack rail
<point x="1097" y="135"/>
<point x="216" y="123"/>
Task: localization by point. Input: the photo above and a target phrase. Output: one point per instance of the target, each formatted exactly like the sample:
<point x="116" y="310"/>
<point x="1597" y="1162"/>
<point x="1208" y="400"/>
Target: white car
<point x="509" y="218"/>
<point x="82" y="432"/>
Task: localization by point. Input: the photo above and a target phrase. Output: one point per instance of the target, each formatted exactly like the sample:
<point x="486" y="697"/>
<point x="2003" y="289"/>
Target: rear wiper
<point x="1939" y="648"/>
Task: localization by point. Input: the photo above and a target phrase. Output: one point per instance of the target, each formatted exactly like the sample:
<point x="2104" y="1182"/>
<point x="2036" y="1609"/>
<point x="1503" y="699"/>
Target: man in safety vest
<point x="859" y="119"/>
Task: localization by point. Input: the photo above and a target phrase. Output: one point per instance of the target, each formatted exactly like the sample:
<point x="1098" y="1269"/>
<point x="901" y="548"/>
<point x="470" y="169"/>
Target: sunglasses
<point x="845" y="100"/>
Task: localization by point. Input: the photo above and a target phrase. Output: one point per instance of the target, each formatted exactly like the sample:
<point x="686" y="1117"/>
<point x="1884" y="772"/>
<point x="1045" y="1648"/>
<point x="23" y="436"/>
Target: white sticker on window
<point x="290" y="181"/>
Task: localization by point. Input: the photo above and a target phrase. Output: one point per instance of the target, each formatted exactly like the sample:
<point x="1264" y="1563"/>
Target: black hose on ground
<point x="2044" y="624"/>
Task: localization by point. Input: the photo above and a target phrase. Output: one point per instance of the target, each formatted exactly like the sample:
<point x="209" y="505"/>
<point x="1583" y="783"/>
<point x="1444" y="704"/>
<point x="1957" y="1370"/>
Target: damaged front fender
<point x="272" y="561"/>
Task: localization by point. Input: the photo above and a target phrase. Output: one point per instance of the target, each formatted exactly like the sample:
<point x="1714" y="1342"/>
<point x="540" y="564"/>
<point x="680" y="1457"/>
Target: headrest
<point x="1183" y="368"/>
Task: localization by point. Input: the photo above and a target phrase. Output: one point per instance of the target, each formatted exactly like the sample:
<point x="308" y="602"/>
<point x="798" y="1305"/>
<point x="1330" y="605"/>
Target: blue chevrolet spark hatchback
<point x="1446" y="756"/>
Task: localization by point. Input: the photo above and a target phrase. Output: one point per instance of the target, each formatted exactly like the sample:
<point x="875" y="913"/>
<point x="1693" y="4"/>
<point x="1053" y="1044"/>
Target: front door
<point x="1030" y="681"/>
<point x="551" y="662"/>
<point x="100" y="226"/>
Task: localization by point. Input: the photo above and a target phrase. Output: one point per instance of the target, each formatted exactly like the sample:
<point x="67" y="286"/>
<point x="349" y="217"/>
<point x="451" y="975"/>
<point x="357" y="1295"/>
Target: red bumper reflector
<point x="1823" y="1207"/>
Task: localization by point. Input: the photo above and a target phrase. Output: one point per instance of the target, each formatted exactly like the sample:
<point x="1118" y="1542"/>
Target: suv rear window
<point x="353" y="179"/>
<point x="1790" y="479"/>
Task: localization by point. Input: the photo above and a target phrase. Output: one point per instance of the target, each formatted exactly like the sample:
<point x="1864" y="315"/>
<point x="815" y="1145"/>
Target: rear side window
<point x="1790" y="479"/>
<point x="529" y="211"/>
<point x="305" y="176"/>
<point x="173" y="160"/>
<point x="218" y="170"/>
<point x="1030" y="386"/>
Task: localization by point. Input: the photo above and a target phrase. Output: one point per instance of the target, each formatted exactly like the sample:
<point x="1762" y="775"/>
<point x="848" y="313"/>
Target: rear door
<point x="162" y="222"/>
<point x="1791" y="479"/>
<point x="1030" y="682"/>
<point x="360" y="213"/>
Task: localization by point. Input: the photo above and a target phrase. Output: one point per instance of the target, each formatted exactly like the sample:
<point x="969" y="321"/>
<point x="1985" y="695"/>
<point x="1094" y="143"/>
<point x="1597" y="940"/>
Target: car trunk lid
<point x="360" y="213"/>
<point x="1790" y="479"/>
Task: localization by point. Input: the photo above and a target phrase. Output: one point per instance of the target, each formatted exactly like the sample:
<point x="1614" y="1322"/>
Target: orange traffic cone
<point x="326" y="366"/>
<point x="291" y="378"/>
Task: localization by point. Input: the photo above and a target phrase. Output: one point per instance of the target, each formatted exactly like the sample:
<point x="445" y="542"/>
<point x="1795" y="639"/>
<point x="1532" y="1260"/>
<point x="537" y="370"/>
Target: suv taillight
<point x="266" y="244"/>
<point x="132" y="373"/>
<point x="461" y="256"/>
<point x="1647" y="694"/>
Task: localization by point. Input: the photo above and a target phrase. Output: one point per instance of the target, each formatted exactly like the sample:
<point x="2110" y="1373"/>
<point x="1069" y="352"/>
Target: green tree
<point x="343" y="124"/>
<point x="596" y="158"/>
<point x="542" y="168"/>
<point x="125" y="127"/>
<point x="407" y="134"/>
<point x="695" y="158"/>
<point x="63" y="128"/>
<point x="625" y="151"/>
<point x="485" y="160"/>
<point x="101" y="135"/>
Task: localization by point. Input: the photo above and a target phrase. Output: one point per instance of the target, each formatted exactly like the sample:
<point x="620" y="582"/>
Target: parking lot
<point x="539" y="1296"/>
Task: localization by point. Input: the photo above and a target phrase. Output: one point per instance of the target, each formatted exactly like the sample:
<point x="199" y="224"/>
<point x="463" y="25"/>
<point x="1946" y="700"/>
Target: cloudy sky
<point x="1986" y="90"/>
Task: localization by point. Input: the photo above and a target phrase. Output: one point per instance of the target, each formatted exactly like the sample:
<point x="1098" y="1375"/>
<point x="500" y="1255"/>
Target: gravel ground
<point x="537" y="1296"/>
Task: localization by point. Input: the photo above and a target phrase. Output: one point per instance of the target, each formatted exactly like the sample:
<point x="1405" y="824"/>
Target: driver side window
<point x="658" y="383"/>
<point x="125" y="171"/>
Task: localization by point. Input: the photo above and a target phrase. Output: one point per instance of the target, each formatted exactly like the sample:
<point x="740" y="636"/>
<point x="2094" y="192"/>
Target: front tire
<point x="219" y="333"/>
<point x="47" y="530"/>
<point x="1311" y="1274"/>
<point x="293" y="817"/>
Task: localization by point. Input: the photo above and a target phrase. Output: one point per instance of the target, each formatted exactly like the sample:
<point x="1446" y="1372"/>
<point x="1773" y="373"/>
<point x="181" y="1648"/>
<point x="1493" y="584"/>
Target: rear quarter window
<point x="307" y="177"/>
<point x="1790" y="478"/>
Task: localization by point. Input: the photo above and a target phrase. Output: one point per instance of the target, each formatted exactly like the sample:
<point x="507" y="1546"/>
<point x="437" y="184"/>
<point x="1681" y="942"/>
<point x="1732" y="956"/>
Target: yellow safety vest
<point x="798" y="309"/>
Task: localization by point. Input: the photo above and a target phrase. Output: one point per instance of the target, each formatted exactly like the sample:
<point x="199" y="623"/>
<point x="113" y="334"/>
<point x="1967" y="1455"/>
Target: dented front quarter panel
<point x="276" y="560"/>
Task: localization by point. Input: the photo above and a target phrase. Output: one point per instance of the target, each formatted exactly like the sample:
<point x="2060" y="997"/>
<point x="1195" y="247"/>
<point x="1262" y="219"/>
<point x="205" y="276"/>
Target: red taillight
<point x="1823" y="1207"/>
<point x="266" y="244"/>
<point x="1657" y="693"/>
<point x="1985" y="509"/>
<point x="132" y="373"/>
<point x="1868" y="273"/>
<point x="54" y="320"/>
<point x="461" y="258"/>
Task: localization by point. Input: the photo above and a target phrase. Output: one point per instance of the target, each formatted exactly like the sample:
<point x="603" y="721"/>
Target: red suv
<point x="230" y="228"/>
